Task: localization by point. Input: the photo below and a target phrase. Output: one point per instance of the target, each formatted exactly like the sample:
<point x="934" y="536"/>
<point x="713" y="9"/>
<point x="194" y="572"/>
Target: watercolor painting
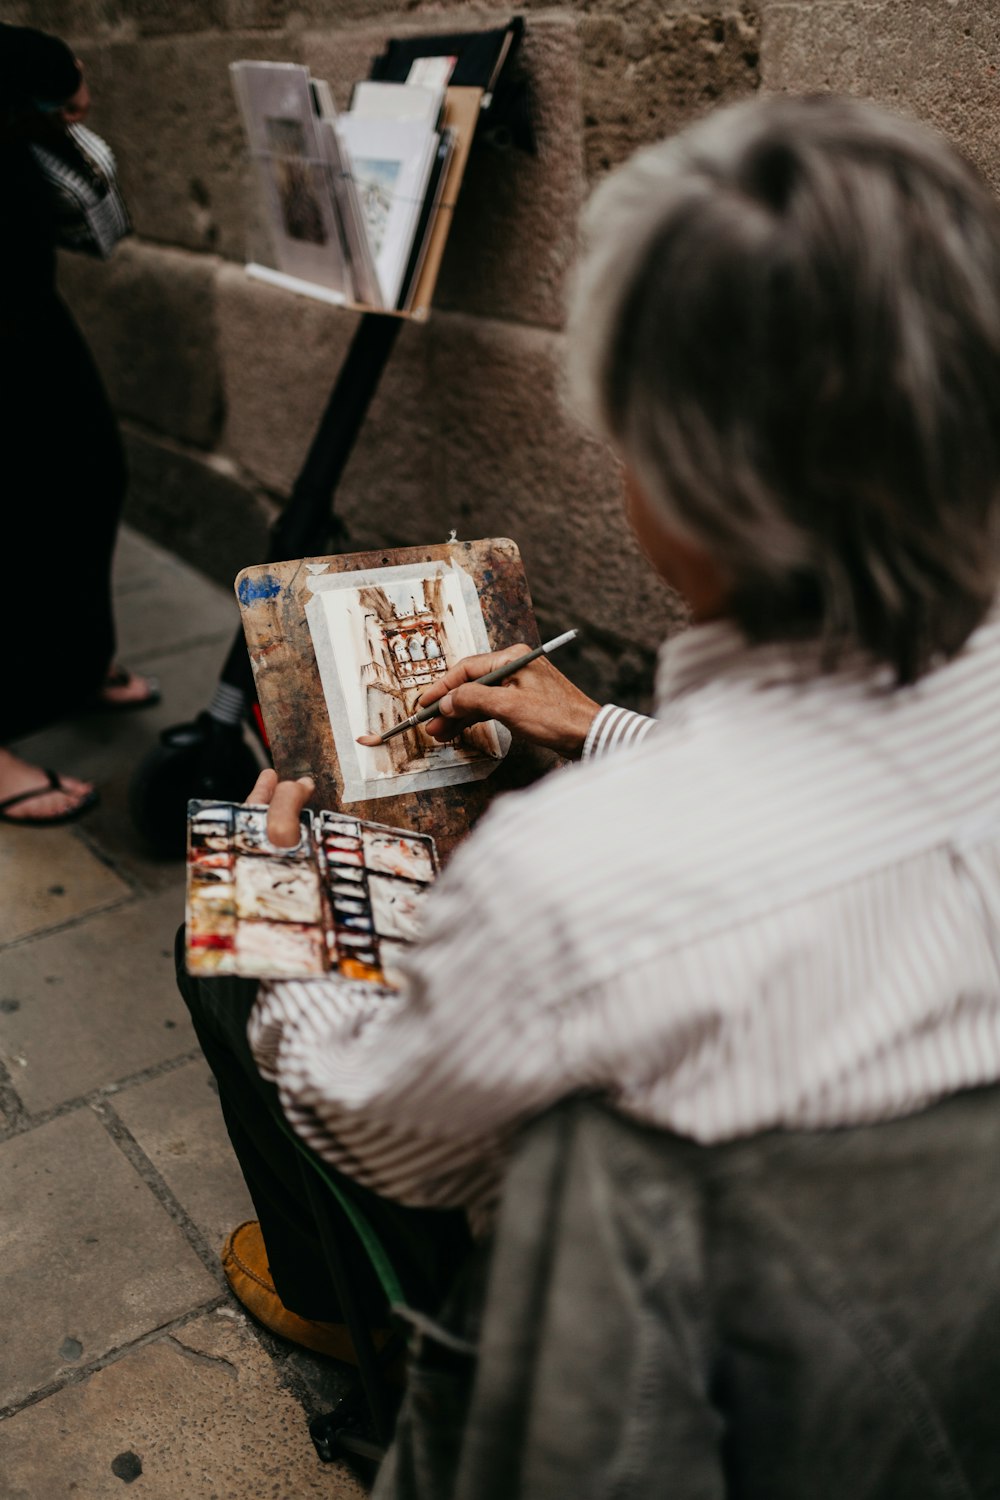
<point x="346" y="900"/>
<point x="301" y="213"/>
<point x="381" y="639"/>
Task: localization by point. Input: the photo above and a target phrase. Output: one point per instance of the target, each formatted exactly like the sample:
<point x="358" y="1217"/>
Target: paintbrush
<point x="488" y="679"/>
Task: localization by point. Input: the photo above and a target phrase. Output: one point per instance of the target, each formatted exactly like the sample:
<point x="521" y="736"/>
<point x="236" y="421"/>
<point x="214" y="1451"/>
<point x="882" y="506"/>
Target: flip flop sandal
<point x="90" y="800"/>
<point x="121" y="677"/>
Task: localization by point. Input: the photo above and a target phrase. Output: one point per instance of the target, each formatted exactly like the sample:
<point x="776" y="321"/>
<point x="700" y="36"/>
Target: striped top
<point x="776" y="904"/>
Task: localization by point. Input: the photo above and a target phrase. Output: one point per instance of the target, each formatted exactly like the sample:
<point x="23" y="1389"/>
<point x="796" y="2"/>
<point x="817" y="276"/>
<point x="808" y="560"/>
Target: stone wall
<point x="220" y="381"/>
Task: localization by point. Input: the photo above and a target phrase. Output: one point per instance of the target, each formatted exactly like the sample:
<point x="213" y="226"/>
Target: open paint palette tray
<point x="346" y="899"/>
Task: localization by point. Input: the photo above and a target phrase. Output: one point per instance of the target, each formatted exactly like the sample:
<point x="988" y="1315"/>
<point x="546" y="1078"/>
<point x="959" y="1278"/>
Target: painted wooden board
<point x="277" y="602"/>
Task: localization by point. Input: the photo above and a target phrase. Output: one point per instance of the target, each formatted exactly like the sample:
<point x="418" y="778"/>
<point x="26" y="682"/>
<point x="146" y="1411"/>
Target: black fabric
<point x="477" y="53"/>
<point x="426" y="1246"/>
<point x="35" y="69"/>
<point x="62" y="467"/>
<point x="64" y="487"/>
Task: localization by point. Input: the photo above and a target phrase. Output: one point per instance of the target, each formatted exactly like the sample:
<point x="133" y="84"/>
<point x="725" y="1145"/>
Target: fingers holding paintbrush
<point x="536" y="702"/>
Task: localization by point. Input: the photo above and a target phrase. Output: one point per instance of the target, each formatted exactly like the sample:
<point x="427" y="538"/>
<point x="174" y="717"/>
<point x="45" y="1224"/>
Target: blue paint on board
<point x="253" y="589"/>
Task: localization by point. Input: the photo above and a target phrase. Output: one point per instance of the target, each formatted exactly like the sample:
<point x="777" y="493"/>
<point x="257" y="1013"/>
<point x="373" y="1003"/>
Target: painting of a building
<point x="380" y="645"/>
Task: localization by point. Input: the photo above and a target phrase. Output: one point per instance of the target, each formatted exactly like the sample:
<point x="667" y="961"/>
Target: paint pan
<point x="202" y="841"/>
<point x="201" y="876"/>
<point x="211" y="901"/>
<point x="207" y="961"/>
<point x="207" y="862"/>
<point x="281" y="950"/>
<point x="344" y="857"/>
<point x="277" y="890"/>
<point x="396" y="906"/>
<point x="341" y="891"/>
<point x="334" y="823"/>
<point x="341" y="841"/>
<point x="345" y="873"/>
<point x="353" y="939"/>
<point x="205" y="920"/>
<point x="354" y="923"/>
<point x="389" y="853"/>
<point x="345" y="904"/>
<point x="353" y="968"/>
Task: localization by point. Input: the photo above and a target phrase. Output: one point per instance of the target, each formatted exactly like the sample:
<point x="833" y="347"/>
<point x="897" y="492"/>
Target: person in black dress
<point x="61" y="458"/>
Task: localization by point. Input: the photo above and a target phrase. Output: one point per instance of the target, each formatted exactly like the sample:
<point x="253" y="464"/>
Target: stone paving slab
<point x="90" y="1259"/>
<point x="48" y="877"/>
<point x="197" y="1415"/>
<point x="95" y="1003"/>
<point x="177" y="1121"/>
<point x="174" y="607"/>
<point x="106" y="749"/>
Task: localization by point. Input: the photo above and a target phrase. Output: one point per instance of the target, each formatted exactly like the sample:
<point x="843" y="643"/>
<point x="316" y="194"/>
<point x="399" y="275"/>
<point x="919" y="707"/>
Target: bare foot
<point x="123" y="688"/>
<point x="18" y="775"/>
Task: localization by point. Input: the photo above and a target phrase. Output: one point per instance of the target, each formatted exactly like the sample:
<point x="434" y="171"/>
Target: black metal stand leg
<point x="304" y="523"/>
<point x="207" y="758"/>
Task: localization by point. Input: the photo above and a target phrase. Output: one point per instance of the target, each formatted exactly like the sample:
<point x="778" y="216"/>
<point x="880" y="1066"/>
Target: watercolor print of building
<point x="379" y="644"/>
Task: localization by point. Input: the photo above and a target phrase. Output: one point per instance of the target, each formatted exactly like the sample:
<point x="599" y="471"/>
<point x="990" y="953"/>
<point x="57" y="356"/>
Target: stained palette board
<point x="273" y="599"/>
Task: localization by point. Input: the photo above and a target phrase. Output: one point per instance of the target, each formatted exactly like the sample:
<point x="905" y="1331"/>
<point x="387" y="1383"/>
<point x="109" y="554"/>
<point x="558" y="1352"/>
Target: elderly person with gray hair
<point x="775" y="906"/>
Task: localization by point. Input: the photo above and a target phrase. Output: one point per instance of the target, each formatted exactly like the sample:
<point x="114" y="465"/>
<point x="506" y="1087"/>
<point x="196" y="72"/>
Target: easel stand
<point x="209" y="758"/>
<point x="308" y="522"/>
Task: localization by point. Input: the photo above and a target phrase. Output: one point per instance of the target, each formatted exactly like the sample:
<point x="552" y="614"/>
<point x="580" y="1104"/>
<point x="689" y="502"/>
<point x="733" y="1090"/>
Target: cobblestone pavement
<point x="125" y="1362"/>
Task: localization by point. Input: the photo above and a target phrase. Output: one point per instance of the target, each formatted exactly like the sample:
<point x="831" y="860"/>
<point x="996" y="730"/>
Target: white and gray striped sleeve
<point x="613" y="729"/>
<point x="415" y="1095"/>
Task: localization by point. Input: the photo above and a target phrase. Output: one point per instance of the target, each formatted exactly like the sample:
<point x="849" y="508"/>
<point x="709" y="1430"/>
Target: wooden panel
<point x="461" y="114"/>
<point x="272" y="602"/>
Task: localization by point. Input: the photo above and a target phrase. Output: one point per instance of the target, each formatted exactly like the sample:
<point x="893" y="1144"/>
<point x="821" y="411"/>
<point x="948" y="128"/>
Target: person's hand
<point x="538" y="703"/>
<point x="284" y="801"/>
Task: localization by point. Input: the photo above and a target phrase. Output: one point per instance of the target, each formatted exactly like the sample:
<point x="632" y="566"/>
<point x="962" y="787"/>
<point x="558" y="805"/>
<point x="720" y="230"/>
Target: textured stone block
<point x="197" y="506"/>
<point x="649" y="69"/>
<point x="178" y="1123"/>
<point x="91" y="1261"/>
<point x="938" y="62"/>
<point x="96" y="1002"/>
<point x="170" y="17"/>
<point x="72" y="20"/>
<point x="196" y="1415"/>
<point x="48" y="877"/>
<point x="281" y="354"/>
<point x="166" y="107"/>
<point x="514" y="236"/>
<point x="148" y="315"/>
<point x="516" y="464"/>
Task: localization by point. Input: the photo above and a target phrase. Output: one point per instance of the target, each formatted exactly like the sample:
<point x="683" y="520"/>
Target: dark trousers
<point x="63" y="480"/>
<point x="426" y="1246"/>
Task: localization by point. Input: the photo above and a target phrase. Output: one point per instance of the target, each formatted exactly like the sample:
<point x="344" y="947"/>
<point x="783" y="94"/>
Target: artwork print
<point x="375" y="182"/>
<point x="301" y="213"/>
<point x="381" y="639"/>
<point x="346" y="900"/>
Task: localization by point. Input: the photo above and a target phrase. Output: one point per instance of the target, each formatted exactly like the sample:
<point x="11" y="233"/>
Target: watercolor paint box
<point x="346" y="899"/>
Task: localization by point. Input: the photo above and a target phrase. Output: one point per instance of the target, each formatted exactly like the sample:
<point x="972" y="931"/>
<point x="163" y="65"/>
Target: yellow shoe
<point x="244" y="1260"/>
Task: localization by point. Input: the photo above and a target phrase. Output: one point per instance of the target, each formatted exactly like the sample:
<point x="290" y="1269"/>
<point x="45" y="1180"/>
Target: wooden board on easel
<point x="346" y="644"/>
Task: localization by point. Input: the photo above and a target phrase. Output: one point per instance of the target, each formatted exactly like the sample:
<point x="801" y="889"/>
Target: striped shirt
<point x="776" y="904"/>
<point x="88" y="209"/>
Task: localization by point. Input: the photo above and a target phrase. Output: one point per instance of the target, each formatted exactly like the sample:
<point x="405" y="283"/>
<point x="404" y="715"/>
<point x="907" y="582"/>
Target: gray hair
<point x="787" y="320"/>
